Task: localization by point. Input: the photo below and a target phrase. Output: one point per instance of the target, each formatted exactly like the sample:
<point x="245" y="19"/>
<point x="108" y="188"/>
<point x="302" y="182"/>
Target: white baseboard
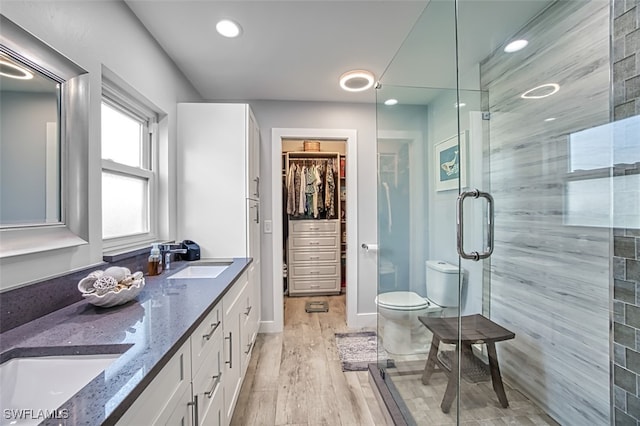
<point x="369" y="320"/>
<point x="269" y="327"/>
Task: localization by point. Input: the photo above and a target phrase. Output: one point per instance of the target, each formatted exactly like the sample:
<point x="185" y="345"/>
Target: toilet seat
<point x="402" y="301"/>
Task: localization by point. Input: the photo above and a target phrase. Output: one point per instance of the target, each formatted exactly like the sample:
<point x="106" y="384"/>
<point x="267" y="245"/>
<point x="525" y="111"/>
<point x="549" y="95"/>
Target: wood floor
<point x="295" y="377"/>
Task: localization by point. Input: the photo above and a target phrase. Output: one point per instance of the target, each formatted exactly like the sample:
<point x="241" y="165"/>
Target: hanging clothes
<point x="330" y="188"/>
<point x="291" y="192"/>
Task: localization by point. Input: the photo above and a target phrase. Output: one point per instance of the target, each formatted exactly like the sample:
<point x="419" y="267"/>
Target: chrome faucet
<point x="167" y="250"/>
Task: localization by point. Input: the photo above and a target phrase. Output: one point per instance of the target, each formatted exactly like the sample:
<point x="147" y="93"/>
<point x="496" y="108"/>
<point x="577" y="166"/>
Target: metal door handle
<point x="257" y="181"/>
<point x="216" y="381"/>
<point x="213" y="329"/>
<point x="476" y="193"/>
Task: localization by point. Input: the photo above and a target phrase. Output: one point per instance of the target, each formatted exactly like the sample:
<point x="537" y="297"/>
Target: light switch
<point x="267" y="226"/>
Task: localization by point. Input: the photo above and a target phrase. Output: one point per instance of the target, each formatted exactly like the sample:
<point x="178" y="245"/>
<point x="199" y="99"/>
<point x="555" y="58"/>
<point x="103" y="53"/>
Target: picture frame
<point x="450" y="163"/>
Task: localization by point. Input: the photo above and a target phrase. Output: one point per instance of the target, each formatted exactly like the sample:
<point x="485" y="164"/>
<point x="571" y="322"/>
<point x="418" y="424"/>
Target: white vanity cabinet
<point x="167" y="399"/>
<point x="200" y="385"/>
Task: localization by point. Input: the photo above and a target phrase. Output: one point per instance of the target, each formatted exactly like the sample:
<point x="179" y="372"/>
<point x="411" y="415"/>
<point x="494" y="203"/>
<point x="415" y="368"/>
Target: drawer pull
<point x="314" y="272"/>
<point x="314" y="243"/>
<point x="230" y="339"/>
<point x="216" y="382"/>
<point x="314" y="229"/>
<point x="314" y="286"/>
<point x="314" y="257"/>
<point x="214" y="327"/>
<point x="194" y="404"/>
<point x="248" y="348"/>
<point x="248" y="311"/>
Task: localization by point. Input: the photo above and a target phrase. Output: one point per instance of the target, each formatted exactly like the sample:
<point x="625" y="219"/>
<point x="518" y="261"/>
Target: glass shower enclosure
<point x="508" y="215"/>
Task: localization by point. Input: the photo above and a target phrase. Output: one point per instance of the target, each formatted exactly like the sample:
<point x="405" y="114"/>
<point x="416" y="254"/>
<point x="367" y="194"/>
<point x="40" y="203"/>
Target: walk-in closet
<point x="314" y="217"/>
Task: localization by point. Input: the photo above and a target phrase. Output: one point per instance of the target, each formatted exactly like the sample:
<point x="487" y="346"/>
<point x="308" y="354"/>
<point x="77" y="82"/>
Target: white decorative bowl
<point x="115" y="298"/>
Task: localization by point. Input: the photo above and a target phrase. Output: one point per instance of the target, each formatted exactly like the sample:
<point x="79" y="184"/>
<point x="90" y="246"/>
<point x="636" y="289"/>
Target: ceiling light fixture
<point x="515" y="45"/>
<point x="228" y="28"/>
<point x="356" y="80"/>
<point x="11" y="70"/>
<point x="391" y="102"/>
<point x="543" y="91"/>
<point x="549" y="119"/>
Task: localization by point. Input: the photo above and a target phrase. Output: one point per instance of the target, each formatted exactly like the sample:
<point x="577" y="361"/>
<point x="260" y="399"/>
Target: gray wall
<point x="626" y="260"/>
<point x="550" y="281"/>
<point x="322" y="115"/>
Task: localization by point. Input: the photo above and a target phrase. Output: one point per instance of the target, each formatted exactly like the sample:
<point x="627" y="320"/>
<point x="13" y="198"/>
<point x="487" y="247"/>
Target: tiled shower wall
<point x="626" y="260"/>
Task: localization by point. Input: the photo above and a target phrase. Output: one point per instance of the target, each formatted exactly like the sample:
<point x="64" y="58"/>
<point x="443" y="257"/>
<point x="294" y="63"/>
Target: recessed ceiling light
<point x="356" y="80"/>
<point x="391" y="102"/>
<point x="12" y="70"/>
<point x="549" y="119"/>
<point x="228" y="28"/>
<point x="541" y="91"/>
<point x="515" y="45"/>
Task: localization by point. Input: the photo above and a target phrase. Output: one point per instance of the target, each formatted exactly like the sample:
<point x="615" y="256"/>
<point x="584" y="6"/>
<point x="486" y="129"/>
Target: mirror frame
<point x="74" y="135"/>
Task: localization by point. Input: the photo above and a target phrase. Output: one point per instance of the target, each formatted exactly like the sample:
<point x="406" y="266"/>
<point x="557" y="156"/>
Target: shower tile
<point x="623" y="419"/>
<point x="632" y="87"/>
<point x="618" y="311"/>
<point x="624" y="291"/>
<point x="619" y="268"/>
<point x="624" y="335"/>
<point x="633" y="360"/>
<point x="633" y="269"/>
<point x="624" y="68"/>
<point x="625" y="23"/>
<point x="625" y="379"/>
<point x="619" y="355"/>
<point x="624" y="247"/>
<point x="625" y="110"/>
<point x="633" y="406"/>
<point x="632" y="316"/>
<point x="620" y="398"/>
<point x="632" y="42"/>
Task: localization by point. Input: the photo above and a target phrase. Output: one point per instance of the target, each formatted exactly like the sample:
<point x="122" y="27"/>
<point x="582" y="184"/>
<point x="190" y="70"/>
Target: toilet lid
<point x="401" y="300"/>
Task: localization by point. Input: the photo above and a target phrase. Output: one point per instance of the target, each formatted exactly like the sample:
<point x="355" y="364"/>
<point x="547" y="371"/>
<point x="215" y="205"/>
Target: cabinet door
<point x="253" y="230"/>
<point x="234" y="309"/>
<point x="182" y="415"/>
<point x="253" y="154"/>
<point x="169" y="391"/>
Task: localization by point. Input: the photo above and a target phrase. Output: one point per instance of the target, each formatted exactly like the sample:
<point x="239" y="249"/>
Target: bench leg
<point x="452" y="384"/>
<point x="496" y="378"/>
<point x="430" y="366"/>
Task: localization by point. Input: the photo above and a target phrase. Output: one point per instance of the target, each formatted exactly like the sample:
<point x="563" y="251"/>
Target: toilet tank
<point x="442" y="283"/>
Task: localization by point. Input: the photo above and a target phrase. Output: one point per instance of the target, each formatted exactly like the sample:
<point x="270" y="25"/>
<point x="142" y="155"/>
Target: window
<point x="129" y="169"/>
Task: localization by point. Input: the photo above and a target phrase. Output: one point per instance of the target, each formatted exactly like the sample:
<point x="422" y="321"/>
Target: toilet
<point x="401" y="309"/>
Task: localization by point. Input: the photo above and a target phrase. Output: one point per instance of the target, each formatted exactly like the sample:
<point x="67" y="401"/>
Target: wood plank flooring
<point x="295" y="377"/>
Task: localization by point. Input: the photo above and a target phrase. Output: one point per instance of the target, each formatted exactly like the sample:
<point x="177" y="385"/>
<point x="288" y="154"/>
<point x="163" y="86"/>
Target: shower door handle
<point x="476" y="193"/>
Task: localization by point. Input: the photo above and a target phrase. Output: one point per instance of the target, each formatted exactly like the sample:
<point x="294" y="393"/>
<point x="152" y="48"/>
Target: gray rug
<point x="358" y="349"/>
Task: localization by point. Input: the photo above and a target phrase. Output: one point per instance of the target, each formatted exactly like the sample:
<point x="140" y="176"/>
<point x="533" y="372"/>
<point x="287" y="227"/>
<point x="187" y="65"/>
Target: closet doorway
<point x="328" y="223"/>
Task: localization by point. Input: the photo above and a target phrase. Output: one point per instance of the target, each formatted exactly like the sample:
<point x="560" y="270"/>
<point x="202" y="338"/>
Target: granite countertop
<point x="147" y="332"/>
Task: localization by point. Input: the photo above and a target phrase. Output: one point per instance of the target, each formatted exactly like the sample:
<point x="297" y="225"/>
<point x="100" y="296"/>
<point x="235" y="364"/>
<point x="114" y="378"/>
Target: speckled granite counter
<point x="147" y="331"/>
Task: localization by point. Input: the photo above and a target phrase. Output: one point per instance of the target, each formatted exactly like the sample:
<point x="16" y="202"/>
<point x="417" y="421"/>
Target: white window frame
<point x="132" y="104"/>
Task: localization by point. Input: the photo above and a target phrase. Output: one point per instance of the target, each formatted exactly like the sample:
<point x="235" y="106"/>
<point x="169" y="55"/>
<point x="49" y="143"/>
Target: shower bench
<point x="475" y="329"/>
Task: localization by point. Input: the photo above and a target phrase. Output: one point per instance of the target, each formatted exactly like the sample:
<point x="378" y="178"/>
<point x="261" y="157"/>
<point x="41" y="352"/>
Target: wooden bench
<point x="474" y="329"/>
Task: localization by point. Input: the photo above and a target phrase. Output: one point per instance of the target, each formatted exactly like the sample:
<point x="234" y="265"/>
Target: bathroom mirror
<point x="30" y="160"/>
<point x="44" y="134"/>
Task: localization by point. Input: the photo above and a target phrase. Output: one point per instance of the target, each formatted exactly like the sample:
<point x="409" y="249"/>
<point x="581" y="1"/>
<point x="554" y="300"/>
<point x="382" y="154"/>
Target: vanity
<point x="179" y="351"/>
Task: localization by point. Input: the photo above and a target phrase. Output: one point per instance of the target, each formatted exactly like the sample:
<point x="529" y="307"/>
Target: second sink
<point x="200" y="270"/>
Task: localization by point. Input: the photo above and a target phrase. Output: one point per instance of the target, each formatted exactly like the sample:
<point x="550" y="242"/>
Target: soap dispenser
<point x="155" y="261"/>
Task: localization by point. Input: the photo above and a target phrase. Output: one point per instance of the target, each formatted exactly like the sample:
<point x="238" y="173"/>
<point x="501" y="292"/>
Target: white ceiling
<point x="297" y="49"/>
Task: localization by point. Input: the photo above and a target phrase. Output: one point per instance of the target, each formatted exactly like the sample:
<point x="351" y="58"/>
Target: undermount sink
<point x="201" y="270"/>
<point x="44" y="383"/>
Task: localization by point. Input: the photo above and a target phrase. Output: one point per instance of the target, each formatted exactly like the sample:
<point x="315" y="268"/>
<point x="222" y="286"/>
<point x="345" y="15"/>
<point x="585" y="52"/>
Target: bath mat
<point x="357" y="350"/>
<point x="316" y="307"/>
<point x="473" y="369"/>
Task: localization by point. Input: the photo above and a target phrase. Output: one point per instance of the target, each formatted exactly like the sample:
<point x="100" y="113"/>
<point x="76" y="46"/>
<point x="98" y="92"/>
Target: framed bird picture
<point x="450" y="163"/>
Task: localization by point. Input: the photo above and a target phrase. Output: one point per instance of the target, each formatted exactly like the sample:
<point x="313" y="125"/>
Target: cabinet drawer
<point x="314" y="286"/>
<point x="297" y="256"/>
<point x="312" y="271"/>
<point x="207" y="385"/>
<point x="315" y="226"/>
<point x="203" y="337"/>
<point x="313" y="241"/>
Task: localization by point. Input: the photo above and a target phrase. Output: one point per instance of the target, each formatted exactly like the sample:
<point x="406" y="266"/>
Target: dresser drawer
<point x="328" y="241"/>
<point x="312" y="271"/>
<point x="314" y="226"/>
<point x="316" y="256"/>
<point x="203" y="337"/>
<point x="328" y="285"/>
